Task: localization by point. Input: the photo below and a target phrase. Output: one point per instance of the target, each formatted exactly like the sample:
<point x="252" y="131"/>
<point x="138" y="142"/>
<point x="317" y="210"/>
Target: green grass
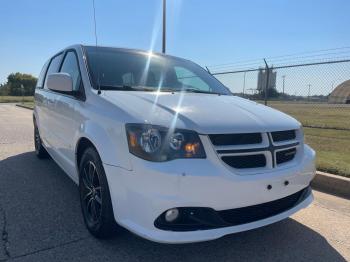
<point x="332" y="149"/>
<point x="16" y="99"/>
<point x="319" y="115"/>
<point x="332" y="146"/>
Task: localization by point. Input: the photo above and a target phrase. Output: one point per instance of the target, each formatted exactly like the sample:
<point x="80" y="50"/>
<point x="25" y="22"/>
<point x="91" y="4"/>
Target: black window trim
<point x="48" y="66"/>
<point x="86" y="62"/>
<point x="80" y="95"/>
<point x="45" y="68"/>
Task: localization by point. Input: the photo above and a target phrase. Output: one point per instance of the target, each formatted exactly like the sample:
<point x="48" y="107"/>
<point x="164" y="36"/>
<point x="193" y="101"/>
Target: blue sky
<point x="208" y="32"/>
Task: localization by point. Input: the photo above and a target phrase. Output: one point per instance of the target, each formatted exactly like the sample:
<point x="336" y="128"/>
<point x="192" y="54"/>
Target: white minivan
<point x="160" y="147"/>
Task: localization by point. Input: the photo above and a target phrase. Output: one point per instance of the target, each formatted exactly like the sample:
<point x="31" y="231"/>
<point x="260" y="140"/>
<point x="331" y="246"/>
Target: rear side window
<point x="40" y="82"/>
<point x="71" y="67"/>
<point x="53" y="67"/>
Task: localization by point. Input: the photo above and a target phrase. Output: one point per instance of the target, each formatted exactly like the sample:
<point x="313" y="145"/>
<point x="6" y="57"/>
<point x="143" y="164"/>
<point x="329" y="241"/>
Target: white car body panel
<point x="206" y="114"/>
<point x="141" y="190"/>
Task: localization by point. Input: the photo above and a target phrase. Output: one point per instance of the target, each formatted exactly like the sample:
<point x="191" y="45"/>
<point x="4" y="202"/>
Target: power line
<point x="283" y="66"/>
<point x="237" y="62"/>
<point x="310" y="52"/>
<point x="311" y="56"/>
<point x="334" y="59"/>
<point x="283" y="62"/>
<point x="237" y="65"/>
<point x="273" y="57"/>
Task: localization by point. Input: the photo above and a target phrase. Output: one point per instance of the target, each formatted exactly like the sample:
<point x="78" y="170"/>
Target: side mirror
<point x="62" y="82"/>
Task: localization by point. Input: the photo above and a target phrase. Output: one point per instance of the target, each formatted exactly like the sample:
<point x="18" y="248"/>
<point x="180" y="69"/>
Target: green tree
<point x="3" y="90"/>
<point x="15" y="81"/>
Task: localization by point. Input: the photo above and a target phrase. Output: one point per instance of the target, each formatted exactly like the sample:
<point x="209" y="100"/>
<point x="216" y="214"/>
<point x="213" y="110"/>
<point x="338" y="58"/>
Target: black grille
<point x="283" y="135"/>
<point x="285" y="155"/>
<point x="245" y="161"/>
<point x="236" y="139"/>
<point x="248" y="214"/>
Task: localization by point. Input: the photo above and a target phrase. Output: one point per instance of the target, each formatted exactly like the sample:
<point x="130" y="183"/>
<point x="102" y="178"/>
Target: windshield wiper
<point x="125" y="88"/>
<point x="147" y="89"/>
<point x="193" y="90"/>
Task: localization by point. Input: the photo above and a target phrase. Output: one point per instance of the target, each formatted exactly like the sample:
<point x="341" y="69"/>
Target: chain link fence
<point x="317" y="94"/>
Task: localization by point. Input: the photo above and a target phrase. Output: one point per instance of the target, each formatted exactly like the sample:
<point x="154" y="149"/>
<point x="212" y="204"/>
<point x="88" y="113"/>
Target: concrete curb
<point x="332" y="184"/>
<point x="26" y="107"/>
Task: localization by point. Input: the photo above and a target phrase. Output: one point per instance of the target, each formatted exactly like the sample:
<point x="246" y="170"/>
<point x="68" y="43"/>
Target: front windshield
<point x="118" y="69"/>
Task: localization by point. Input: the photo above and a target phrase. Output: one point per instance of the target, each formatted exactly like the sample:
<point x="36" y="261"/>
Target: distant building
<point x="340" y="94"/>
<point x="262" y="79"/>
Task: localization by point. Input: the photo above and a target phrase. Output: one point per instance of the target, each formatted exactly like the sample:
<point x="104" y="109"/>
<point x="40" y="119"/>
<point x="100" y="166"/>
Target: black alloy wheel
<point x="95" y="197"/>
<point x="92" y="197"/>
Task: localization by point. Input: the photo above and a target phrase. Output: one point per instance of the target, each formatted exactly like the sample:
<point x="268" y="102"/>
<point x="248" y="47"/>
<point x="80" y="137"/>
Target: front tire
<point x="95" y="197"/>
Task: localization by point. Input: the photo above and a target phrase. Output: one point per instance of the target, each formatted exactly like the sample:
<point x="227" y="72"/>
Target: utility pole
<point x="283" y="78"/>
<point x="308" y="94"/>
<point x="164" y="27"/>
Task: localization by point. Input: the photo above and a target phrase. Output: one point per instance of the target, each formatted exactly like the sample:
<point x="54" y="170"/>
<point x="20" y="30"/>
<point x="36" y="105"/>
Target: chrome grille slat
<point x="275" y="148"/>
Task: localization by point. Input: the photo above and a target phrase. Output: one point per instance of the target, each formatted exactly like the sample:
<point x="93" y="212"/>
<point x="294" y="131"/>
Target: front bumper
<point x="141" y="195"/>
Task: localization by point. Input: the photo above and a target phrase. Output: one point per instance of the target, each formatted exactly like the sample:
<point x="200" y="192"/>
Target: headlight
<point x="156" y="143"/>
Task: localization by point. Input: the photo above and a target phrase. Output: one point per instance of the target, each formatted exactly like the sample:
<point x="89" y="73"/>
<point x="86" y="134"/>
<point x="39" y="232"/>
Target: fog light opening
<point x="171" y="215"/>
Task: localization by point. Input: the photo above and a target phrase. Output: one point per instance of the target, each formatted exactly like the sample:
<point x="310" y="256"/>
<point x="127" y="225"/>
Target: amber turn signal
<point x="191" y="148"/>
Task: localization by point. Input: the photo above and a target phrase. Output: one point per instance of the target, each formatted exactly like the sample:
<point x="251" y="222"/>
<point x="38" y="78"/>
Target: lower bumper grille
<point x="203" y="218"/>
<point x="249" y="214"/>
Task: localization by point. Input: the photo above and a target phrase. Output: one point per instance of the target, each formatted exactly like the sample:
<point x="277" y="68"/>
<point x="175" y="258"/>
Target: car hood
<point x="204" y="113"/>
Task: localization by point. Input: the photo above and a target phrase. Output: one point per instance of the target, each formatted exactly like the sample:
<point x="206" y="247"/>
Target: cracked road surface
<point x="40" y="218"/>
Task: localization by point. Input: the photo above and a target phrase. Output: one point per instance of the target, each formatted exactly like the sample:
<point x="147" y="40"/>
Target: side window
<point x="188" y="78"/>
<point x="53" y="67"/>
<point x="40" y="82"/>
<point x="71" y="67"/>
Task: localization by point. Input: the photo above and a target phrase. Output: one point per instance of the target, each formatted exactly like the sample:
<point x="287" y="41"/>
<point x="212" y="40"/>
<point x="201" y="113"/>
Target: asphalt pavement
<point x="40" y="218"/>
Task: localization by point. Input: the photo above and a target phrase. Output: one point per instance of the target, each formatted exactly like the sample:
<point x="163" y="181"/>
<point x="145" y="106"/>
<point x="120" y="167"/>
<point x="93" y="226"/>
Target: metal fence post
<point x="267" y="70"/>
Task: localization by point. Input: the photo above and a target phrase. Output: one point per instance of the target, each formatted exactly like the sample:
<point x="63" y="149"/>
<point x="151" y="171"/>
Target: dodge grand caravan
<point x="159" y="146"/>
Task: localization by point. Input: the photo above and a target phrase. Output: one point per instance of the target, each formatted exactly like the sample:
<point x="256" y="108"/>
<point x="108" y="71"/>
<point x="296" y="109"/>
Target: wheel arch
<point x="82" y="144"/>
